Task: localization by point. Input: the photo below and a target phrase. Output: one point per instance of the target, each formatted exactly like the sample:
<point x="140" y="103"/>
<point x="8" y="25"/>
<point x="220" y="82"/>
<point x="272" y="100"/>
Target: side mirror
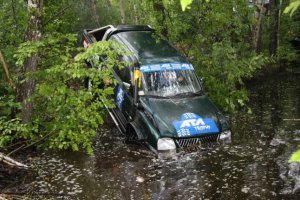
<point x="126" y="85"/>
<point x="201" y="79"/>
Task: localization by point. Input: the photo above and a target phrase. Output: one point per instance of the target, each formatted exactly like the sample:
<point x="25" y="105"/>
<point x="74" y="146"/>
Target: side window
<point x="123" y="73"/>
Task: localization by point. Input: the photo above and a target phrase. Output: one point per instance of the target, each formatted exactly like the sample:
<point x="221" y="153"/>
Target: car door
<point x="124" y="95"/>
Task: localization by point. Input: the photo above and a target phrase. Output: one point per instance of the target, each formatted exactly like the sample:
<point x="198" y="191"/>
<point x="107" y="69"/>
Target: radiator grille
<point x="192" y="142"/>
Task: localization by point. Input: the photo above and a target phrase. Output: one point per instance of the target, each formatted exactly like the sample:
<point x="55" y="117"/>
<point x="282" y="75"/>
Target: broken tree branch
<point x="11" y="162"/>
<point x="5" y="67"/>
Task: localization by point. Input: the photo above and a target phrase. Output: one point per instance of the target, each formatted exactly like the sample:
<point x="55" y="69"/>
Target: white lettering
<point x="192" y="122"/>
<point x="199" y="121"/>
<point x="189" y="115"/>
<point x="183" y="132"/>
<point x="186" y="123"/>
<point x="201" y="128"/>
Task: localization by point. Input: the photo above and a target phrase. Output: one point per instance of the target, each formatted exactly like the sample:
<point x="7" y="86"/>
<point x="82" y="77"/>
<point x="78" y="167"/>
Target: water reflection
<point x="253" y="166"/>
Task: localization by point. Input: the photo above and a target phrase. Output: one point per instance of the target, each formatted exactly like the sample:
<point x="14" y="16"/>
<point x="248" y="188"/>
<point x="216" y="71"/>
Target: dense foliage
<point x="69" y="113"/>
<point x="66" y="115"/>
<point x="228" y="42"/>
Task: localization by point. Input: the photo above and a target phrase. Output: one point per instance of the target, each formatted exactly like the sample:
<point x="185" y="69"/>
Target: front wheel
<point x="131" y="136"/>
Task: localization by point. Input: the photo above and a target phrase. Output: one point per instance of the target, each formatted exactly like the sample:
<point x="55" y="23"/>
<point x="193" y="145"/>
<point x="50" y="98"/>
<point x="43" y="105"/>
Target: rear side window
<point x="123" y="73"/>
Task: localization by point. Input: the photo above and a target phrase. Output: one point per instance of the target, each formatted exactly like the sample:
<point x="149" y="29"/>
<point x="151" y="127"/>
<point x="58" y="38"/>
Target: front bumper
<point x="223" y="137"/>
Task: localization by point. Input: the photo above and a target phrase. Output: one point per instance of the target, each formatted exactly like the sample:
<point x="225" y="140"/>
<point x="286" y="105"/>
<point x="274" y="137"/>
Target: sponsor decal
<point x="191" y="124"/>
<point x="166" y="66"/>
<point x="120" y="97"/>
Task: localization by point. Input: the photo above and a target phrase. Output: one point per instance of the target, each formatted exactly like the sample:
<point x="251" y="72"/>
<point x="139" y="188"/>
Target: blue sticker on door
<point x="120" y="97"/>
<point x="191" y="124"/>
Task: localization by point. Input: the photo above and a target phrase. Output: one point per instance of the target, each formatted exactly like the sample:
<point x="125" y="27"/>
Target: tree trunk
<point x="95" y="13"/>
<point x="274" y="26"/>
<point x="122" y="10"/>
<point x="33" y="33"/>
<point x="257" y="28"/>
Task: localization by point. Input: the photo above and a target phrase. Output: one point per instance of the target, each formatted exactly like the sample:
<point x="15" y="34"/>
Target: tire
<point x="131" y="136"/>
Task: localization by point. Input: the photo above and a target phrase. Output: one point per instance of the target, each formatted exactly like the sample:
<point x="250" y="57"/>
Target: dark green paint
<point x="149" y="48"/>
<point x="153" y="117"/>
<point x="166" y="111"/>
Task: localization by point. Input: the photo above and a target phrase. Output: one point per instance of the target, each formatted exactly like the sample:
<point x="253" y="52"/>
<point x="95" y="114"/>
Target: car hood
<point x="170" y="113"/>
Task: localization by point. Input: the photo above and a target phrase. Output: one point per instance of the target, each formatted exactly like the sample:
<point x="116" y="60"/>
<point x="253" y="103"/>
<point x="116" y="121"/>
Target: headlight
<point x="165" y="144"/>
<point x="225" y="136"/>
<point x="222" y="120"/>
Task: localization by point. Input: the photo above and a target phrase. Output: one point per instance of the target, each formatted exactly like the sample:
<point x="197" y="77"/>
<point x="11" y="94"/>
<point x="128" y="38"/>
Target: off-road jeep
<point x="159" y="99"/>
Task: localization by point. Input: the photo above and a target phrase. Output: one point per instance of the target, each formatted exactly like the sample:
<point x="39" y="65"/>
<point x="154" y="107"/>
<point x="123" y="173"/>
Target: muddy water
<point x="254" y="166"/>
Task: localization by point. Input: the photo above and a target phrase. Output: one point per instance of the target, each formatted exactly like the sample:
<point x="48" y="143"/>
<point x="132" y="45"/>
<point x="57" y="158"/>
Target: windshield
<point x="169" y="81"/>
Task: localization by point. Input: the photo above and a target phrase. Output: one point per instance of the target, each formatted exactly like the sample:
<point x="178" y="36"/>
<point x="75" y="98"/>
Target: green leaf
<point x="292" y="7"/>
<point x="185" y="4"/>
<point x="75" y="147"/>
<point x="295" y="157"/>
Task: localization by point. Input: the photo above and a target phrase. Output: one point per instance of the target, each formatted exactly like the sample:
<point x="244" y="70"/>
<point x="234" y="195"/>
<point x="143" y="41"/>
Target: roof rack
<point x="101" y="28"/>
<point x="103" y="33"/>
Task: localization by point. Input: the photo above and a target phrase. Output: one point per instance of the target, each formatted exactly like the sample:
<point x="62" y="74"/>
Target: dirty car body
<point x="159" y="98"/>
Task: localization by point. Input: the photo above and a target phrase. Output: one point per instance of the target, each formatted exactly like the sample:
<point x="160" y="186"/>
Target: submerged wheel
<point x="131" y="136"/>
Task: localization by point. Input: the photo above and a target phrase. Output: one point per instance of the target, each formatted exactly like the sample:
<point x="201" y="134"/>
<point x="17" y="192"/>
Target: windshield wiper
<point x="186" y="94"/>
<point x="200" y="92"/>
<point x="156" y="96"/>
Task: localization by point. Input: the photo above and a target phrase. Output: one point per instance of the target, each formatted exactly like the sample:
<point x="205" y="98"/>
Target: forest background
<point x="43" y="101"/>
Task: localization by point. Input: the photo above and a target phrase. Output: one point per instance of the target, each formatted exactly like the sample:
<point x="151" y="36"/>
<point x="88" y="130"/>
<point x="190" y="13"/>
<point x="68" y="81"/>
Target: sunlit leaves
<point x="185" y="4"/>
<point x="292" y="7"/>
<point x="295" y="157"/>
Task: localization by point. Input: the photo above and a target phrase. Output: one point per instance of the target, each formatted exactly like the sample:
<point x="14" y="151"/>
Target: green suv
<point x="159" y="99"/>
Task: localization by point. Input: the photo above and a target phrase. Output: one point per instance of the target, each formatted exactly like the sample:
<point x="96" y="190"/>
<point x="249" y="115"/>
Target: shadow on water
<point x="253" y="166"/>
